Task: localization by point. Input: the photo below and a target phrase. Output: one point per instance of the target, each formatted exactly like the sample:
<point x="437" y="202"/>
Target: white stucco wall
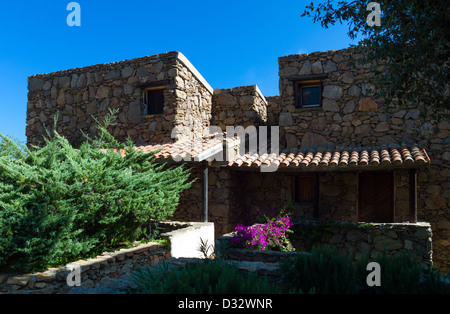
<point x="186" y="242"/>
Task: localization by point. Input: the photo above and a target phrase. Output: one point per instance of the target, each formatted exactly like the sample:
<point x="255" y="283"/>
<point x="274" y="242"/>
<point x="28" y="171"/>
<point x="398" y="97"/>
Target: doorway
<point x="376" y="197"/>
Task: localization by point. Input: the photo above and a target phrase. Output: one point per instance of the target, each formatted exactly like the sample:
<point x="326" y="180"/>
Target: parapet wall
<point x="359" y="240"/>
<point x="92" y="272"/>
<point x="239" y="106"/>
<point x="356" y="240"/>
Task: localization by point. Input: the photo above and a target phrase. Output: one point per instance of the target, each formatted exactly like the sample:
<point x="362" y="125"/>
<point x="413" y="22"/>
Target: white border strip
<point x="209" y="152"/>
<point x="197" y="74"/>
<point x="258" y="91"/>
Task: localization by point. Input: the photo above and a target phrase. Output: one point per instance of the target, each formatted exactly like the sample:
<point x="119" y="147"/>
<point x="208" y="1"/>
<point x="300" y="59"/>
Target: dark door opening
<point x="376" y="197"/>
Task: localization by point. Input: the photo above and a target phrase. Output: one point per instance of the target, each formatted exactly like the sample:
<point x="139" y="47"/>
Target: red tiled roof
<point x="308" y="159"/>
<point x="195" y="150"/>
<point x="346" y="157"/>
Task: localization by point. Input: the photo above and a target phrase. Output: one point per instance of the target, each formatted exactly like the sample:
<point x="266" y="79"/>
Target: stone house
<point x="342" y="156"/>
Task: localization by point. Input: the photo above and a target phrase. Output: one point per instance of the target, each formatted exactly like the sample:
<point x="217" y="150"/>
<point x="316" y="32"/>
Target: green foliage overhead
<point x="58" y="202"/>
<point x="412" y="40"/>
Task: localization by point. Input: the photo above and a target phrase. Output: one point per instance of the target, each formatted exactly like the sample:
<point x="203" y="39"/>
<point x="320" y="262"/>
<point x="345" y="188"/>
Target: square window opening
<point x="308" y="94"/>
<point x="154" y="101"/>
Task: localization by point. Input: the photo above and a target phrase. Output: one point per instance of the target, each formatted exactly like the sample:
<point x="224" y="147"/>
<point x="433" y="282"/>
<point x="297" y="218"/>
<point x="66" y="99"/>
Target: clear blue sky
<point x="231" y="43"/>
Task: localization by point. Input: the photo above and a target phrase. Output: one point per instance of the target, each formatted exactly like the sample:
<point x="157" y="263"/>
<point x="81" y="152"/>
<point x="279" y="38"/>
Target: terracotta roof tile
<point x="345" y="157"/>
<point x="319" y="158"/>
<point x="191" y="150"/>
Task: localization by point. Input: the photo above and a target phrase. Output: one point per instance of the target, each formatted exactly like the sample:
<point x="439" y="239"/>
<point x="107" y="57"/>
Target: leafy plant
<point x="323" y="270"/>
<point x="206" y="249"/>
<point x="404" y="274"/>
<point x="411" y="44"/>
<point x="269" y="236"/>
<point x="58" y="203"/>
<point x="202" y="277"/>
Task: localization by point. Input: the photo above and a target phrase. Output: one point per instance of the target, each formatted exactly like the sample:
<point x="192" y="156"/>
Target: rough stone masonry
<point x="350" y="116"/>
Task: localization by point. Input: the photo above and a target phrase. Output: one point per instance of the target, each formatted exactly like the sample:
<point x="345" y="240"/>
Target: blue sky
<point x="231" y="43"/>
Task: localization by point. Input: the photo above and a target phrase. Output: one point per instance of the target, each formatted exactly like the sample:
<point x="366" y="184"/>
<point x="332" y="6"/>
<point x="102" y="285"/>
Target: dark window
<point x="308" y="94"/>
<point x="304" y="189"/>
<point x="308" y="90"/>
<point x="154" y="101"/>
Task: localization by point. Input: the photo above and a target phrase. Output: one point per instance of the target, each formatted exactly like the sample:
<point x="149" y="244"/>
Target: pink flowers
<point x="268" y="236"/>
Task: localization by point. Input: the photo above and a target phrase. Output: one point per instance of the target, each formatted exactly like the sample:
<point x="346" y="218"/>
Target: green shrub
<point x="433" y="282"/>
<point x="58" y="202"/>
<point x="203" y="277"/>
<point x="404" y="274"/>
<point x="329" y="272"/>
<point x="323" y="270"/>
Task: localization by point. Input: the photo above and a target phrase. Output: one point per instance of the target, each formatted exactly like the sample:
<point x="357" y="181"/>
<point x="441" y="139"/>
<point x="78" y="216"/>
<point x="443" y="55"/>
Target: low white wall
<point x="186" y="242"/>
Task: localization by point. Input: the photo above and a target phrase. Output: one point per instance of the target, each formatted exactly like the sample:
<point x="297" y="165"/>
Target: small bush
<point x="323" y="270"/>
<point x="329" y="272"/>
<point x="404" y="274"/>
<point x="272" y="235"/>
<point x="203" y="277"/>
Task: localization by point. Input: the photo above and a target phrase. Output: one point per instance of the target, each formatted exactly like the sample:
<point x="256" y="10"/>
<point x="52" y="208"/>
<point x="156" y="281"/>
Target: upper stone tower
<point x="153" y="95"/>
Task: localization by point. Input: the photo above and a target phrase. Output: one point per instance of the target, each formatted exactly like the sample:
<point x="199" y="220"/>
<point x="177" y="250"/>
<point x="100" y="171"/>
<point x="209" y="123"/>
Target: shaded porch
<point x="354" y="185"/>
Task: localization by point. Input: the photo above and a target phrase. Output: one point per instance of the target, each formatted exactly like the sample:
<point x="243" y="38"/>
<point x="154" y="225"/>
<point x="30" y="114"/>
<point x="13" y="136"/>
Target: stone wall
<point x="183" y="238"/>
<point x="352" y="115"/>
<point x="274" y="105"/>
<point x="240" y="106"/>
<point x="337" y="195"/>
<point x="93" y="271"/>
<point x="78" y="94"/>
<point x="221" y="186"/>
<point x="373" y="240"/>
<point x="357" y="241"/>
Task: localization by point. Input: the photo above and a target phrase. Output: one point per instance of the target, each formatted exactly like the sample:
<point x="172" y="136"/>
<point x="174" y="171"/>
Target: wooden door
<point x="376" y="197"/>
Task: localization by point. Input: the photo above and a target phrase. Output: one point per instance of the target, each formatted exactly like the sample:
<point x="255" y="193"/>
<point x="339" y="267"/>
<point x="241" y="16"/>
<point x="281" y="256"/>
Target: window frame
<point x="151" y="86"/>
<point x="301" y="82"/>
<point x="145" y="100"/>
<point x="302" y="87"/>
